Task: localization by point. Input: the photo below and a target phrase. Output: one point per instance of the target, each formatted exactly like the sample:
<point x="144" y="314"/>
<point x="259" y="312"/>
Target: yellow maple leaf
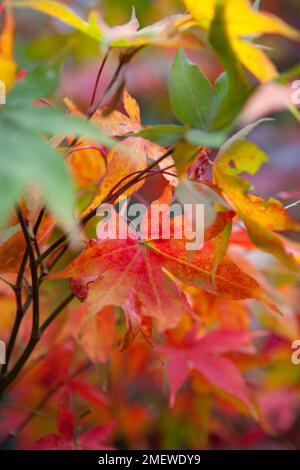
<point x="262" y="218"/>
<point x="61" y="12"/>
<point x="8" y="67"/>
<point x="169" y="32"/>
<point x="130" y="156"/>
<point x="242" y="22"/>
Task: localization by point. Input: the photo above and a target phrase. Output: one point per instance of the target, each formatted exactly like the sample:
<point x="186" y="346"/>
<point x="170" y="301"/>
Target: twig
<point x="124" y="60"/>
<point x="21" y="309"/>
<point x="10" y="377"/>
<point x="47" y="397"/>
<point x="102" y="65"/>
<point x="7" y="282"/>
<point x="34" y="275"/>
<point x="57" y="258"/>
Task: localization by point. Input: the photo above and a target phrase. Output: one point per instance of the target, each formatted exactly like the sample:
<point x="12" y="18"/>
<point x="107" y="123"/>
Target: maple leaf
<point x="241" y="22"/>
<point x="230" y="315"/>
<point x="278" y="407"/>
<point x="54" y="369"/>
<point x="61" y="12"/>
<point x="13" y="246"/>
<point x="133" y="273"/>
<point x="87" y="160"/>
<point x="8" y="67"/>
<point x="96" y="336"/>
<point x="207" y="356"/>
<point x="261" y="217"/>
<point x="172" y="31"/>
<point x="130" y="156"/>
<point x="65" y="438"/>
<point x="169" y="32"/>
<point x="88" y="392"/>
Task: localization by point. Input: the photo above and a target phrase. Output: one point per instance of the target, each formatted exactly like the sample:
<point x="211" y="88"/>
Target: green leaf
<point x="190" y="192"/>
<point x="39" y="83"/>
<point x="164" y="135"/>
<point x="183" y="156"/>
<point x="220" y="242"/>
<point x="240" y="135"/>
<point x="191" y="94"/>
<point x="26" y="157"/>
<point x="195" y="192"/>
<point x="207" y="139"/>
<point x="55" y="121"/>
<point x="237" y="90"/>
<point x="289" y="75"/>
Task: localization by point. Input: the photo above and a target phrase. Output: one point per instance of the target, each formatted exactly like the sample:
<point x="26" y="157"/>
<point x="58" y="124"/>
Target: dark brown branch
<point x="10" y="377"/>
<point x="7" y="282"/>
<point x="21" y="309"/>
<point x="34" y="275"/>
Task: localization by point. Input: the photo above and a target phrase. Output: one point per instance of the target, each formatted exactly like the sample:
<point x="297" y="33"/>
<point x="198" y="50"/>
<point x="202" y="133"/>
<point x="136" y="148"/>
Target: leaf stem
<point x="124" y="59"/>
<point x="102" y="65"/>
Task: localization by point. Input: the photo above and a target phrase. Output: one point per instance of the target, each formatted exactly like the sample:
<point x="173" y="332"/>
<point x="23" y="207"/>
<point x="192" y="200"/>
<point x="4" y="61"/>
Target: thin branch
<point x="21" y="309"/>
<point x="34" y="275"/>
<point x="48" y="396"/>
<point x="124" y="59"/>
<point x="19" y="313"/>
<point x="10" y="377"/>
<point x="7" y="282"/>
<point x="102" y="65"/>
<point x="57" y="258"/>
<point x="56" y="312"/>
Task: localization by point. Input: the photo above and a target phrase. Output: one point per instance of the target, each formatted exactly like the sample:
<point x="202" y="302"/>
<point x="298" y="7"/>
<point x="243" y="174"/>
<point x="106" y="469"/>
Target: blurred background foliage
<point x="146" y="421"/>
<point x="43" y="40"/>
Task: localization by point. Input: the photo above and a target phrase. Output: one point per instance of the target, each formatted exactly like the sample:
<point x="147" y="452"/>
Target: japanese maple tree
<point x="137" y="341"/>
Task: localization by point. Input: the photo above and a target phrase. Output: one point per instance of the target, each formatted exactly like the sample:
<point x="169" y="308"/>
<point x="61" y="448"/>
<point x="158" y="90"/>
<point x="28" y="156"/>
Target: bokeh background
<point x="145" y="418"/>
<point x="41" y="39"/>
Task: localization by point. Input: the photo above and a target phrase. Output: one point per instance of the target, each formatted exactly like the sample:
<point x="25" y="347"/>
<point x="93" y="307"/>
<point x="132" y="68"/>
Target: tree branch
<point x="10" y="377"/>
<point x="124" y="59"/>
<point x="102" y="65"/>
<point x="8" y="283"/>
<point x="34" y="275"/>
<point x="21" y="309"/>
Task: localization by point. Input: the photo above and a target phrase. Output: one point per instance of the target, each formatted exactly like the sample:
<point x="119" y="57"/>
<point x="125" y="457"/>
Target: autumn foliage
<point x="139" y="342"/>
